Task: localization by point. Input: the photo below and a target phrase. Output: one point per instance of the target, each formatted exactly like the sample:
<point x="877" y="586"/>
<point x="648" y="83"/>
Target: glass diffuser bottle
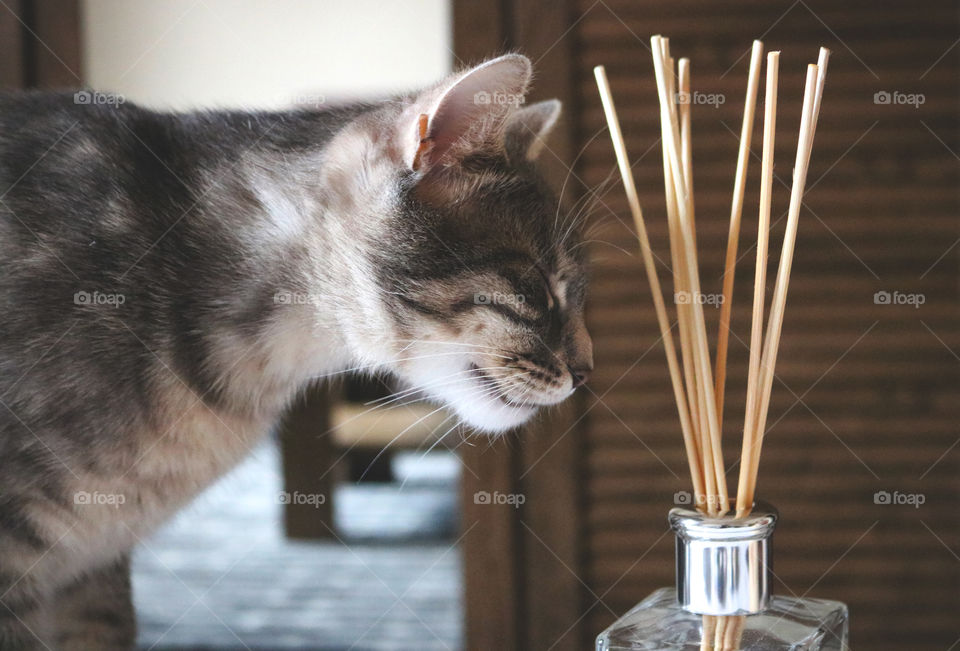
<point x="724" y="570"/>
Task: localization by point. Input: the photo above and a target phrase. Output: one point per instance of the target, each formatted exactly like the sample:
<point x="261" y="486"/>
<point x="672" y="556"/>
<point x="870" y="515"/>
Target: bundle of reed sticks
<point x="699" y="385"/>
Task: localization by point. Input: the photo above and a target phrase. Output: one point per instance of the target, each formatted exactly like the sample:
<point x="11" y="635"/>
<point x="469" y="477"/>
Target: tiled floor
<point x="221" y="576"/>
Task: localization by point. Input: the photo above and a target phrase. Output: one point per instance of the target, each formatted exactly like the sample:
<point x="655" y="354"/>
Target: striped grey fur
<point x="170" y="282"/>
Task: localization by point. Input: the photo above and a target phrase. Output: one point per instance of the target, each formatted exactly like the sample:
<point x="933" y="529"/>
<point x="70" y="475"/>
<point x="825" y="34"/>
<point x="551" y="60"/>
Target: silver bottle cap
<point x="724" y="564"/>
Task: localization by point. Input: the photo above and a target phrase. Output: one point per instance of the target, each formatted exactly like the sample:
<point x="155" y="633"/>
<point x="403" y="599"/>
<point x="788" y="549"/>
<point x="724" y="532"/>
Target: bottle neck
<point x="724" y="563"/>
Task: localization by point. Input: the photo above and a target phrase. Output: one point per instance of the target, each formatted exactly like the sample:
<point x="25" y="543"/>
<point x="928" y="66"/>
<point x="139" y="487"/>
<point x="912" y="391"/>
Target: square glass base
<point x="789" y="624"/>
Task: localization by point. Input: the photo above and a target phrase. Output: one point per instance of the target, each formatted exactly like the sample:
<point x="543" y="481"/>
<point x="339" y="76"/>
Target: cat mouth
<point x="490" y="384"/>
<point x="497" y="391"/>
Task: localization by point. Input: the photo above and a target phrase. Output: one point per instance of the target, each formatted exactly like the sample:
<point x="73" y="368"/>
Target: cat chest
<point x="165" y="469"/>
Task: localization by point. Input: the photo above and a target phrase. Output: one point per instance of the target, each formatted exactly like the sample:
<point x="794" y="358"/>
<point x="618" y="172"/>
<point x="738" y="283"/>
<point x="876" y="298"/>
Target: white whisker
<point x="394" y="440"/>
<point x="432" y="446"/>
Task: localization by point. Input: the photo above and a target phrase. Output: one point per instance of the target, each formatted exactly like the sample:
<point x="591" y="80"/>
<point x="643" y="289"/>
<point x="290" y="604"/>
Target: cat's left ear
<point x="527" y="130"/>
<point x="464" y="114"/>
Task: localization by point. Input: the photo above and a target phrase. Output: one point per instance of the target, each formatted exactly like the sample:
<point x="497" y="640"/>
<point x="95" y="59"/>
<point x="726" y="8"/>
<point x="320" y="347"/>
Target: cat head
<point x="480" y="278"/>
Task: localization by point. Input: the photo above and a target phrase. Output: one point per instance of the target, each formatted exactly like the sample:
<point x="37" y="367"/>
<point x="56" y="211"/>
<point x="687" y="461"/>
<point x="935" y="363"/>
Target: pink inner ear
<point x="476" y="105"/>
<point x="425" y="143"/>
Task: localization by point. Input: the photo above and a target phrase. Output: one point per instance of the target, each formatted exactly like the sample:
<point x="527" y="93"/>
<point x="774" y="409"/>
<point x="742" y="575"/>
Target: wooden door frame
<point x="522" y="565"/>
<point x="40" y="43"/>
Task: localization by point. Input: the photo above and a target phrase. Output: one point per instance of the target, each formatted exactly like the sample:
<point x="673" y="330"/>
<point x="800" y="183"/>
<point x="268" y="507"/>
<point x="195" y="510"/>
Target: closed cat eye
<point x="530" y="305"/>
<point x="513" y="305"/>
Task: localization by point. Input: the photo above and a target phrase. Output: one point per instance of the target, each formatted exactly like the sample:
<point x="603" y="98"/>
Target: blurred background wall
<point x="185" y="53"/>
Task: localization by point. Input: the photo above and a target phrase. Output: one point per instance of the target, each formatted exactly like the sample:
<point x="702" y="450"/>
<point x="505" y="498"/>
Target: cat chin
<point x="449" y="381"/>
<point x="492" y="417"/>
<point x="467" y="400"/>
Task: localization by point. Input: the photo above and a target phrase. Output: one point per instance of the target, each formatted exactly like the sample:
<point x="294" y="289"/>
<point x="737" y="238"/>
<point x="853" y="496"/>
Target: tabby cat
<point x="170" y="281"/>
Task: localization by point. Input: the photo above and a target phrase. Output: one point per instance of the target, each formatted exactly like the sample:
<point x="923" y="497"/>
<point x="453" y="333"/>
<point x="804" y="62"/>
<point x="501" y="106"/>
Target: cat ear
<point x="465" y="113"/>
<point x="527" y="130"/>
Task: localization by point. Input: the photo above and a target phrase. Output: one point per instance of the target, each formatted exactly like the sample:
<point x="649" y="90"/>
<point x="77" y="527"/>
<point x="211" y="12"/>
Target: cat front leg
<point x="96" y="611"/>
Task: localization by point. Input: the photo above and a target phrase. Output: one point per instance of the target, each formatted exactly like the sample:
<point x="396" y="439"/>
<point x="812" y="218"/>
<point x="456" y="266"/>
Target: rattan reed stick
<point x="733" y="236"/>
<point x="713" y="461"/>
<point x="709" y="633"/>
<point x="633" y="200"/>
<point x="760" y="281"/>
<point x="686" y="153"/>
<point x="684" y="314"/>
<point x="778" y="303"/>
<point x="681" y="289"/>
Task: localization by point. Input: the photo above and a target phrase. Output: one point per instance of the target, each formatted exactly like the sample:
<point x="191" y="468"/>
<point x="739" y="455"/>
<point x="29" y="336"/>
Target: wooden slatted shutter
<point x="867" y="398"/>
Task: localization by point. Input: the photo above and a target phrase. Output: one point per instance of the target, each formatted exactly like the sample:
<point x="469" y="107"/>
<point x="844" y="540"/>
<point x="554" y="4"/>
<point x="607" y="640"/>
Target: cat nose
<point x="579" y="375"/>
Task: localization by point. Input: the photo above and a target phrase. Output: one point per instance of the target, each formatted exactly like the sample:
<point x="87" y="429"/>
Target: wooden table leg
<point x="310" y="467"/>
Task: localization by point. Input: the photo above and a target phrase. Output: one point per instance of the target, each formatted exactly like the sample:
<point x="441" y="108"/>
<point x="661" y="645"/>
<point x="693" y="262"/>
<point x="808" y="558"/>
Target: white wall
<point x="262" y="53"/>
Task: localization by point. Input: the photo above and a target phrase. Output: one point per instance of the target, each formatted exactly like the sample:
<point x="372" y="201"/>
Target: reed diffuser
<point x="722" y="600"/>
